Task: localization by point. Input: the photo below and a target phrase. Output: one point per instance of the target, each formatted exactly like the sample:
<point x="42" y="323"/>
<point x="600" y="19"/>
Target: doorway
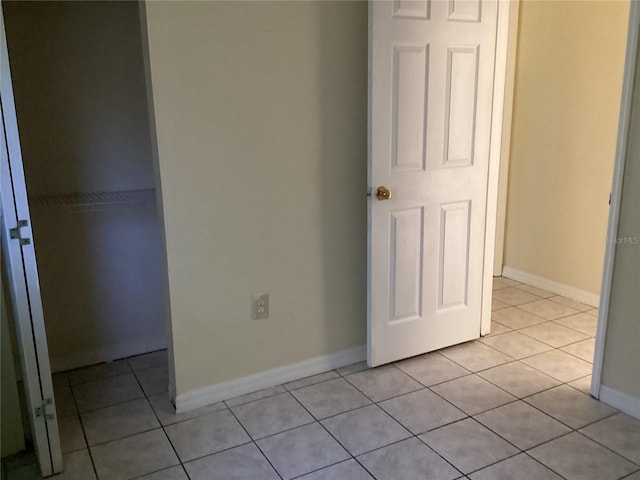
<point x="81" y="102"/>
<point x="559" y="160"/>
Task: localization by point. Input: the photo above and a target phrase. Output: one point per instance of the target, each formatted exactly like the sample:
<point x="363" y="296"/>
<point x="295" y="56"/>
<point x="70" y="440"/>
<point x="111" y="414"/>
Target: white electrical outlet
<point x="261" y="306"/>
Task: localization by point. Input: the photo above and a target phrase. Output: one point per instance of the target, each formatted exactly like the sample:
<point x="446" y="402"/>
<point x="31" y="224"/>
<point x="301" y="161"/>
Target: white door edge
<point x="500" y="86"/>
<point x="616" y="194"/>
<point x="505" y="146"/>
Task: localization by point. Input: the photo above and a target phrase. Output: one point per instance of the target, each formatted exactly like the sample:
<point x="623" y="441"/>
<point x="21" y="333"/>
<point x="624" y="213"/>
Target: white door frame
<point x="616" y="194"/>
<point x="505" y="145"/>
<point x="500" y="130"/>
<point x="142" y="9"/>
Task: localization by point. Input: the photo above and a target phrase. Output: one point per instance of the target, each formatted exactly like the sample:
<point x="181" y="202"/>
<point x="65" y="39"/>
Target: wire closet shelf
<point x="94" y="202"/>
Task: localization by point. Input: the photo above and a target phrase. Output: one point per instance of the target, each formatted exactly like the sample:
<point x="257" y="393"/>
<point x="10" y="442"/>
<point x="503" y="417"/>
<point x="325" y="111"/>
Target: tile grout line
<point x="425" y="387"/>
<point x="603" y="445"/>
<point x="412" y="435"/>
<point x="254" y="442"/>
<point x="146" y="397"/>
<point x="84" y="433"/>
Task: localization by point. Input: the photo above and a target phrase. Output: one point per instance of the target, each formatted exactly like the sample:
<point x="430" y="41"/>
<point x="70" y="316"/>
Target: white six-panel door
<point x="431" y="67"/>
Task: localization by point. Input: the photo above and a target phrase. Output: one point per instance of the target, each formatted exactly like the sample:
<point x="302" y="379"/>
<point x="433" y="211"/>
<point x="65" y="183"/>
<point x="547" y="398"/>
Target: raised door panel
<point x="405" y="280"/>
<point x="410" y="92"/>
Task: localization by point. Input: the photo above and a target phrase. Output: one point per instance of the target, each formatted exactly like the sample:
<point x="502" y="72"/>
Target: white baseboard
<point x="270" y="378"/>
<point x="568" y="291"/>
<point x="623" y="402"/>
<point x="106" y="353"/>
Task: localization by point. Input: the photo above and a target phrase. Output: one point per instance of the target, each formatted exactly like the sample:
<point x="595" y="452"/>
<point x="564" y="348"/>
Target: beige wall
<point x="622" y="344"/>
<point x="567" y="94"/>
<point x="261" y="112"/>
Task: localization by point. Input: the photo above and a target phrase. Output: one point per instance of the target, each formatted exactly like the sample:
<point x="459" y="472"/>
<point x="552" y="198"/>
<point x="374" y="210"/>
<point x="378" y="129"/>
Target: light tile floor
<point x="512" y="405"/>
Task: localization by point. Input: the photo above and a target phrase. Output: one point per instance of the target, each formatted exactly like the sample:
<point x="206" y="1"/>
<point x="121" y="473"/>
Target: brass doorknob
<point x="383" y="193"/>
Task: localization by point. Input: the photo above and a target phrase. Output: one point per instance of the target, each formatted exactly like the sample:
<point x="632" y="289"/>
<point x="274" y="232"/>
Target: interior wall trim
<point x="623" y="402"/>
<point x="588" y="298"/>
<point x="269" y="378"/>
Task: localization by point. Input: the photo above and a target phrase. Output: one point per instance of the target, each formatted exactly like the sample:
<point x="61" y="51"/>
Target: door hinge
<point x="17" y="235"/>
<point x="42" y="410"/>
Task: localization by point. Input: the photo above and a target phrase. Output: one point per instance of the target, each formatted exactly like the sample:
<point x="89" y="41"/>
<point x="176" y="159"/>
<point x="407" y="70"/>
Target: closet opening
<point x="83" y="115"/>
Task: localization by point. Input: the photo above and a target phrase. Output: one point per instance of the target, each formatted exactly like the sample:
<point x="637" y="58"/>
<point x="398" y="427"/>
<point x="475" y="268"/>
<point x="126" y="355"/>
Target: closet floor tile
<point x="98" y="372"/>
<point x="107" y="392"/>
<point x="119" y="421"/>
<point x="154" y="380"/>
<point x="148" y="360"/>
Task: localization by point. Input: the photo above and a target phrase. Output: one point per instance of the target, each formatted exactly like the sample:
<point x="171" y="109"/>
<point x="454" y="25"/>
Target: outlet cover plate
<point x="261" y="306"/>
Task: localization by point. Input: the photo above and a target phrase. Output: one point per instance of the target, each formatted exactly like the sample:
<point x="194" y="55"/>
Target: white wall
<point x="261" y="111"/>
